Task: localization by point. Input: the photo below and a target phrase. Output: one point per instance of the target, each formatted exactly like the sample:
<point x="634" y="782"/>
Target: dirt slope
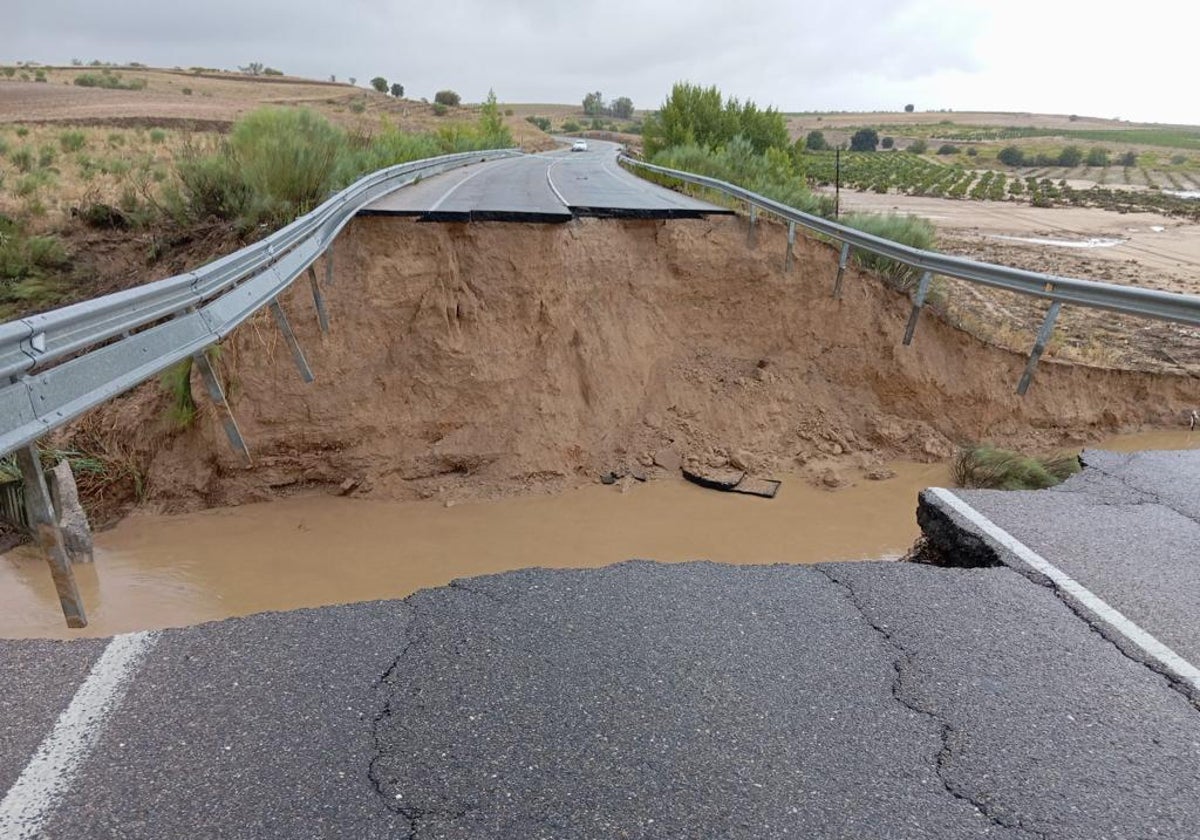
<point x="482" y="359"/>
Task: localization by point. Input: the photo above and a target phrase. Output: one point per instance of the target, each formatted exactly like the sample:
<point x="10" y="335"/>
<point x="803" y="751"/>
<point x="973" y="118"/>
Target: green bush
<point x="570" y="126"/>
<point x="1011" y="156"/>
<point x="10" y="71"/>
<point x="157" y="135"/>
<point x="947" y="149"/>
<point x="448" y="98"/>
<point x="887" y="142"/>
<point x="46" y="157"/>
<point x="380" y="84"/>
<point x="541" y="122"/>
<point x="919" y="146"/>
<point x="1070" y="157"/>
<point x="72" y="141"/>
<point x="972" y="151"/>
<point x="696" y="116"/>
<point x="1097" y="156"/>
<point x="22" y="158"/>
<point x="1126" y="159"/>
<point x="913" y="231"/>
<point x="988" y="467"/>
<point x="187" y="91"/>
<point x="109" y="81"/>
<point x="815" y="141"/>
<point x="440" y="110"/>
<point x="3" y="147"/>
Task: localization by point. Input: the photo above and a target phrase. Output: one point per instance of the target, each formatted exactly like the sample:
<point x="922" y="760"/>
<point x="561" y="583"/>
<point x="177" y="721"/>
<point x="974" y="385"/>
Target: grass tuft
<point x="987" y="467"/>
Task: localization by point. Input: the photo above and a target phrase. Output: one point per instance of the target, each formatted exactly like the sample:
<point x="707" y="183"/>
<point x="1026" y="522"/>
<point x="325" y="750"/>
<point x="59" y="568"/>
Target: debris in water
<point x="732" y="481"/>
<point x="349" y="486"/>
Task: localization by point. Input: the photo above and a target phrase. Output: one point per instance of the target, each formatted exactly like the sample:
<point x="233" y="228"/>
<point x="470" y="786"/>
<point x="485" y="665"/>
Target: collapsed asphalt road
<point x="641" y="700"/>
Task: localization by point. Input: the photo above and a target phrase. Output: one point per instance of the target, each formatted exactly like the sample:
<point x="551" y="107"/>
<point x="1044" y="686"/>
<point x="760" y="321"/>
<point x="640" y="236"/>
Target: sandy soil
<point x="486" y="359"/>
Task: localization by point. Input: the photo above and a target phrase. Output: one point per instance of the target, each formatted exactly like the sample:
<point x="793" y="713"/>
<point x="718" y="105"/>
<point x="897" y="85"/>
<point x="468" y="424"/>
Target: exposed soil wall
<point x="469" y="360"/>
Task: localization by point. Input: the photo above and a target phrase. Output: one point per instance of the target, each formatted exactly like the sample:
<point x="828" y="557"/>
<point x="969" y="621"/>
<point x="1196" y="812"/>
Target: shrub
<point x="508" y="112"/>
<point x="1097" y="156"/>
<point x="622" y="108"/>
<point x="380" y="84"/>
<point x="46" y="156"/>
<point x="1070" y="156"/>
<point x="908" y="109"/>
<point x="1126" y="159"/>
<point x="864" y="140"/>
<point x="10" y="71"/>
<point x="157" y="135"/>
<point x="109" y="80"/>
<point x="988" y="467"/>
<point x="22" y="131"/>
<point x="947" y="149"/>
<point x="571" y="126"/>
<point x="271" y="71"/>
<point x="815" y="141"/>
<point x="887" y="142"/>
<point x="39" y="76"/>
<point x="187" y="91"/>
<point x="3" y="147"/>
<point x="72" y="141"/>
<point x="448" y="98"/>
<point x="397" y="90"/>
<point x="357" y="106"/>
<point x="972" y="151"/>
<point x="913" y="231"/>
<point x="919" y="146"/>
<point x="541" y="122"/>
<point x="440" y="110"/>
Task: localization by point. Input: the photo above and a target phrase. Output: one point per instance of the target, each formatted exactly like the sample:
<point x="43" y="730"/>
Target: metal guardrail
<point x="59" y="364"/>
<point x="1130" y="300"/>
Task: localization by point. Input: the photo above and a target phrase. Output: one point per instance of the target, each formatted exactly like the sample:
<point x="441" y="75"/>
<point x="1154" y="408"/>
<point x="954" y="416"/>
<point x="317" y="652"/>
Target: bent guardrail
<point x="61" y="363"/>
<point x="1130" y="300"/>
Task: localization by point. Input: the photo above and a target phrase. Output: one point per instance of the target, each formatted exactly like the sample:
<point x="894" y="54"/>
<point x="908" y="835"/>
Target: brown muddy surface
<point x="307" y="551"/>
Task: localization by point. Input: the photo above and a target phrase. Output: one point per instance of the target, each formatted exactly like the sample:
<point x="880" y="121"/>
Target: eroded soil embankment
<point x="479" y="359"/>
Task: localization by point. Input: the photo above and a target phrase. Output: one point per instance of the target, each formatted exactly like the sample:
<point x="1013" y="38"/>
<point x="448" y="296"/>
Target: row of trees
<point x="1070" y="156"/>
<point x="594" y="106"/>
<point x="694" y="115"/>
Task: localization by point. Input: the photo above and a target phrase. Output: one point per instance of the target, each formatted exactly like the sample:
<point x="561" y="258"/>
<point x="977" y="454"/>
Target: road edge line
<point x="550" y="182"/>
<point x="33" y="797"/>
<point x="1164" y="658"/>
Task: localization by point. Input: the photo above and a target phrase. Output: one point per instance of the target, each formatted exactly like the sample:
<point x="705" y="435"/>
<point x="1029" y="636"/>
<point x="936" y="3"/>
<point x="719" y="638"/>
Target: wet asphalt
<point x="639" y="700"/>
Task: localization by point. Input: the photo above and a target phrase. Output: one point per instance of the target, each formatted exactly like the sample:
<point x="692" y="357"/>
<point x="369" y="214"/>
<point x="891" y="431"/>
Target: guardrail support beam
<point x="791" y="248"/>
<point x="297" y="354"/>
<point x="1039" y="346"/>
<point x="751" y="233"/>
<point x="329" y="264"/>
<point x="319" y="300"/>
<point x="44" y="522"/>
<point x="918" y="303"/>
<point x="842" y="260"/>
<point x="212" y="383"/>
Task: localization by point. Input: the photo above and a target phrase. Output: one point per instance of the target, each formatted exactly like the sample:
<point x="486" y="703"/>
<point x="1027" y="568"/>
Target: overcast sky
<point x="1130" y="59"/>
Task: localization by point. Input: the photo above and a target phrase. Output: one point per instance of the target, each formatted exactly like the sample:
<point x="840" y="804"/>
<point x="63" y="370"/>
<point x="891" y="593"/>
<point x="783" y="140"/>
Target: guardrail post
<point x="752" y="231"/>
<point x="791" y="247"/>
<point x="212" y="383"/>
<point x="329" y="264"/>
<point x="1039" y="346"/>
<point x="297" y="354"/>
<point x="842" y="260"/>
<point x="918" y="302"/>
<point x="319" y="300"/>
<point x="44" y="523"/>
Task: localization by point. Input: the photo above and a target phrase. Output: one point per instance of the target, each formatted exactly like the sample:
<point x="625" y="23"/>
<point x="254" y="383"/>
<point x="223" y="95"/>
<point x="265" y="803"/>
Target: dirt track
<point x="484" y="359"/>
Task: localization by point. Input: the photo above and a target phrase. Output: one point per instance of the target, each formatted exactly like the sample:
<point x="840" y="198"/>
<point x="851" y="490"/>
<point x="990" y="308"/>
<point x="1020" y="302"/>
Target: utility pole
<point x="837" y="182"/>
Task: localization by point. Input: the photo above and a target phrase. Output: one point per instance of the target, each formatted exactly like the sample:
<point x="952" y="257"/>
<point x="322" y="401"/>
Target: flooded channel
<point x="170" y="571"/>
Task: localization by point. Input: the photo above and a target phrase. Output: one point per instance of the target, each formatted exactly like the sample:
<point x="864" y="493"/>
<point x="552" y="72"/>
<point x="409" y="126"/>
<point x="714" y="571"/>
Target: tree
<point x="703" y="117"/>
<point x="887" y="142"/>
<point x="380" y="84"/>
<point x="908" y="109"/>
<point x="593" y="104"/>
<point x="448" y="98"/>
<point x="1011" y="156"/>
<point x="622" y="108"/>
<point x="353" y="81"/>
<point x="254" y="68"/>
<point x="1070" y="156"/>
<point x="918" y="146"/>
<point x="864" y="140"/>
<point x="397" y="90"/>
<point x="815" y="141"/>
<point x="947" y="149"/>
<point x="1127" y="159"/>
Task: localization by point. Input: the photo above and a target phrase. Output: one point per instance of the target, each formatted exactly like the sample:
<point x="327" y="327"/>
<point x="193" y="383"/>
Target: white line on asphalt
<point x="550" y="181"/>
<point x="31" y="800"/>
<point x="483" y="168"/>
<point x="1167" y="659"/>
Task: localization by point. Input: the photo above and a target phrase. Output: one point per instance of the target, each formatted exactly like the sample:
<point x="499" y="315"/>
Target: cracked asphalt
<point x="644" y="700"/>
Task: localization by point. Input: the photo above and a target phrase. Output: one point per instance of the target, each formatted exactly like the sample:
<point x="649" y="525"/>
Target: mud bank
<point x="478" y="360"/>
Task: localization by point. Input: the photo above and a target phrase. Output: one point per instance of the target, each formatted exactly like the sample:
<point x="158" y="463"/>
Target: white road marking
<point x="550" y="181"/>
<point x="479" y="171"/>
<point x="1156" y="651"/>
<point x="32" y="799"/>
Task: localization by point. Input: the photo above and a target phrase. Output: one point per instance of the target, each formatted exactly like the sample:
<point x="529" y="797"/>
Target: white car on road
<point x="579" y="146"/>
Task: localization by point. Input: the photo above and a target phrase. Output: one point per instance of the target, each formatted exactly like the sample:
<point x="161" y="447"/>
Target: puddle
<point x="1093" y="242"/>
<point x="169" y="571"/>
<point x="1190" y="194"/>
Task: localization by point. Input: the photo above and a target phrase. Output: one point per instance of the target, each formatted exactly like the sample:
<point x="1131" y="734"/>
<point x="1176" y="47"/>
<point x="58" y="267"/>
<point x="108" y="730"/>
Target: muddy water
<point x="167" y="571"/>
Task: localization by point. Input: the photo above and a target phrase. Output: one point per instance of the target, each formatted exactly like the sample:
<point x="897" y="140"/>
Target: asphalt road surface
<point x="640" y="700"/>
<point x="551" y="187"/>
<point x="1127" y="529"/>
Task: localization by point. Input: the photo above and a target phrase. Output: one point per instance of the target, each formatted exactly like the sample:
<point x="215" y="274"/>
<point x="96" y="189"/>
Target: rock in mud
<point x="668" y="459"/>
